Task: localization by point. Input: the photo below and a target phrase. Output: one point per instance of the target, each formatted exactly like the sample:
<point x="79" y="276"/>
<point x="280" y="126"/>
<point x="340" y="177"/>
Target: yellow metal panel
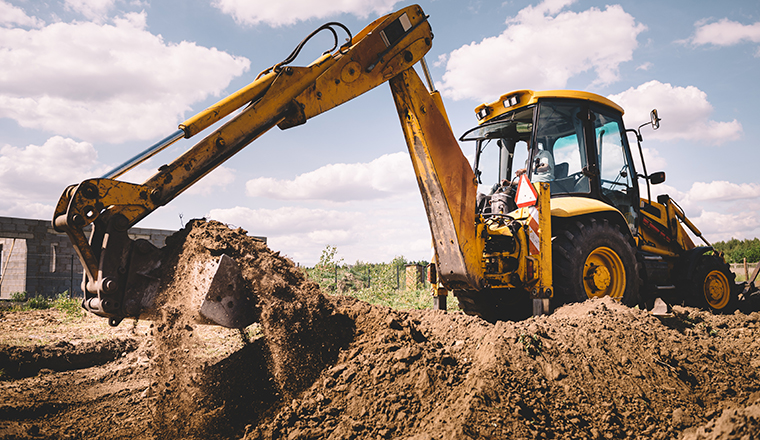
<point x="664" y="231"/>
<point x="447" y="183"/>
<point x="234" y="135"/>
<point x="529" y="97"/>
<point x="361" y="67"/>
<point x="573" y="206"/>
<point x="224" y="107"/>
<point x="657" y="251"/>
<point x="545" y="288"/>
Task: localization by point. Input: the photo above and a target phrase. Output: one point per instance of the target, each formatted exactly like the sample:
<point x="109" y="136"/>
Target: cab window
<point x="560" y="133"/>
<point x="617" y="175"/>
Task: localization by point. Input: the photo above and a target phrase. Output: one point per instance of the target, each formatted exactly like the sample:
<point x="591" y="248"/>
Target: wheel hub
<point x="717" y="290"/>
<point x="599" y="277"/>
<point x="604" y="274"/>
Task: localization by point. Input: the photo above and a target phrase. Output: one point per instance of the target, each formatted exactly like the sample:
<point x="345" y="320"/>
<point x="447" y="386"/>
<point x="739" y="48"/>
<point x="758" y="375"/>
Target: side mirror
<point x="655" y="119"/>
<point x="656" y="178"/>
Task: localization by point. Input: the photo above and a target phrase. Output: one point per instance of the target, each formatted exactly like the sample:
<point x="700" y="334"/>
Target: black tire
<point x="496" y="304"/>
<point x="592" y="258"/>
<point x="713" y="285"/>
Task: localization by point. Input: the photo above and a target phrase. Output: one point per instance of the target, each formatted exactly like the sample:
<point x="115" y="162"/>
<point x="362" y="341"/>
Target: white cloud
<point x="286" y="12"/>
<point x="725" y="32"/>
<point x="654" y="161"/>
<point x="33" y="177"/>
<point x="100" y="82"/>
<point x="685" y="113"/>
<point x="24" y="209"/>
<point x="719" y="226"/>
<point x="722" y="190"/>
<point x="95" y="10"/>
<point x="720" y="209"/>
<point x="213" y="182"/>
<point x="385" y="176"/>
<point x="542" y="48"/>
<point x="10" y="15"/>
<point x="368" y="231"/>
<point x="281" y="221"/>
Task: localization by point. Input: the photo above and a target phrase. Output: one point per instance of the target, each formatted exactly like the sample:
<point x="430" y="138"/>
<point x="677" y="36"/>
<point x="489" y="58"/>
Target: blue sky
<point x="86" y="84"/>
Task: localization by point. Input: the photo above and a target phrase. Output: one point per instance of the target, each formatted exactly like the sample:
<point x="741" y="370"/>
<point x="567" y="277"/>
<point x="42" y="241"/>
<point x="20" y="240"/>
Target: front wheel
<point x="714" y="285"/>
<point x="592" y="259"/>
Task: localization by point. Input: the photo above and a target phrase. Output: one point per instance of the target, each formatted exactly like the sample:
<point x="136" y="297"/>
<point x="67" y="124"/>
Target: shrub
<point x="38" y="302"/>
<point x="70" y="306"/>
<point x="18" y="296"/>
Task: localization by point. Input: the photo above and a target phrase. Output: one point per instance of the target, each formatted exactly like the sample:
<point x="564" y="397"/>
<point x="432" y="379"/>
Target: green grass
<point x="70" y="306"/>
<point x="417" y="299"/>
<point x="38" y="303"/>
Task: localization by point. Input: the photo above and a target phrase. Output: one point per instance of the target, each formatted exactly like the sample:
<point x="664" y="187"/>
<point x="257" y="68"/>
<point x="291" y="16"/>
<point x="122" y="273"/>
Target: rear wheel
<point x="592" y="259"/>
<point x="714" y="285"/>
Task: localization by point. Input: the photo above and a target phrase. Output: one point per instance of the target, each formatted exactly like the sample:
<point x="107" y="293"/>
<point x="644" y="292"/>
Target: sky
<point x="87" y="84"/>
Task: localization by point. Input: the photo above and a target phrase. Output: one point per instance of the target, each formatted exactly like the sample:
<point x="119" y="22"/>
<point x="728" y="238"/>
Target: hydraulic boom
<point x="115" y="282"/>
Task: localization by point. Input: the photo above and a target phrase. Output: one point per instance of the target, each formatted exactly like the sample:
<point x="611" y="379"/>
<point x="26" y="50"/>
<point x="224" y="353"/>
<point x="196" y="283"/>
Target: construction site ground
<point x="321" y="366"/>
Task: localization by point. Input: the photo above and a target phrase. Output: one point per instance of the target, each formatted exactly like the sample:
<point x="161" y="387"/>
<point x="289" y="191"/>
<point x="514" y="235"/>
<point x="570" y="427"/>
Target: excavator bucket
<point x="226" y="301"/>
<point x="212" y="288"/>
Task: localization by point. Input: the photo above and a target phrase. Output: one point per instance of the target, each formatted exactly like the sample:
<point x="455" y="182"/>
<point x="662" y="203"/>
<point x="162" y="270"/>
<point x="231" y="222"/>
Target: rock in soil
<point x="334" y="367"/>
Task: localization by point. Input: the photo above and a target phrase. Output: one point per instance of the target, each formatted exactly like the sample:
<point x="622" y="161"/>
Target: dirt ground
<point x="333" y="367"/>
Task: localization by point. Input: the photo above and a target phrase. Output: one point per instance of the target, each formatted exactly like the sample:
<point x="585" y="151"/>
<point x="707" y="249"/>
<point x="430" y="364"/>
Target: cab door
<point x="617" y="176"/>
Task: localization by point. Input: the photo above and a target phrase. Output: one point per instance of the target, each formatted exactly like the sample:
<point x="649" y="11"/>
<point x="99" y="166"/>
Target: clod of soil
<point x="335" y="367"/>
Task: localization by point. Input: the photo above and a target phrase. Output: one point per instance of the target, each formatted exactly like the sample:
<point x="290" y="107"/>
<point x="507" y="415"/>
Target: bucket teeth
<point x="661" y="308"/>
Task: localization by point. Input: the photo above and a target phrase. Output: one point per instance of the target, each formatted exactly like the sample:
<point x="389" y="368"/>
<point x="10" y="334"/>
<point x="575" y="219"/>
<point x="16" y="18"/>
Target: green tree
<point x="325" y="273"/>
<point x="736" y="251"/>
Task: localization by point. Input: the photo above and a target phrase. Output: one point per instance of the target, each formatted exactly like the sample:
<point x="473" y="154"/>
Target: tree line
<point x="735" y="251"/>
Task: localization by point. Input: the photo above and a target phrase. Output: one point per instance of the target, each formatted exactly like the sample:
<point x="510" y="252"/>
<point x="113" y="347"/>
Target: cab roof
<point x="522" y="98"/>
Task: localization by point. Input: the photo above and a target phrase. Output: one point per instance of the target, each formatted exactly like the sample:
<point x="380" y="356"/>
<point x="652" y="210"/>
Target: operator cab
<point x="574" y="140"/>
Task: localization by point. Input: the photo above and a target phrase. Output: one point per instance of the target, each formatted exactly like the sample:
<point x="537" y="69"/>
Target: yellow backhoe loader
<point x="566" y="224"/>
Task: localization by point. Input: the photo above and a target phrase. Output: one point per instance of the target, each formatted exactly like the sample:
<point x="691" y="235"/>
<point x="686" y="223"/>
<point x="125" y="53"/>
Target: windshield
<point x="503" y="142"/>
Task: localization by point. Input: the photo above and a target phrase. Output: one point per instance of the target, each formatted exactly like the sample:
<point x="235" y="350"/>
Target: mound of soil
<point x="337" y="368"/>
<point x="302" y="335"/>
<point x="591" y="370"/>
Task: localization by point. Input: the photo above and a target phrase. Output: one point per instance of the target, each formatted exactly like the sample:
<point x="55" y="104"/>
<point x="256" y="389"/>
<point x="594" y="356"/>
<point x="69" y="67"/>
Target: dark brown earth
<point x="337" y="368"/>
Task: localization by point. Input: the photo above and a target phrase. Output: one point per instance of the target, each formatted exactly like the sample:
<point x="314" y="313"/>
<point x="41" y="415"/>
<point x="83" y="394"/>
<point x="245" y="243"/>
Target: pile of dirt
<point x="338" y="368"/>
<point x="591" y="370"/>
<point x="302" y="335"/>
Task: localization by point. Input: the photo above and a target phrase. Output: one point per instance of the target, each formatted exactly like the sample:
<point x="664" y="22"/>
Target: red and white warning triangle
<point x="526" y="193"/>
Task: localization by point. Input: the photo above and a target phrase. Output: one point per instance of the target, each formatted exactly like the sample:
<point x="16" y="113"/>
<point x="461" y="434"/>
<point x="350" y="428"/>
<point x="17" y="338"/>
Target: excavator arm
<point x="116" y="269"/>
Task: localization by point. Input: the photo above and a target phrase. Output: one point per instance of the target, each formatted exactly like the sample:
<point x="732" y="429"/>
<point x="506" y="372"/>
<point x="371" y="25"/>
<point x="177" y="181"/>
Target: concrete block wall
<point x="12" y="266"/>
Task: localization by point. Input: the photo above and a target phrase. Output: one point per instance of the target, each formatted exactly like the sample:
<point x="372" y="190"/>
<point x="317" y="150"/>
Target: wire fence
<point x="743" y="270"/>
<point x="382" y="276"/>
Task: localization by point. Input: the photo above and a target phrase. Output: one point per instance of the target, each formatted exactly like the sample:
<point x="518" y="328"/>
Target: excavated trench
<point x="335" y="367"/>
<point x="20" y="362"/>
